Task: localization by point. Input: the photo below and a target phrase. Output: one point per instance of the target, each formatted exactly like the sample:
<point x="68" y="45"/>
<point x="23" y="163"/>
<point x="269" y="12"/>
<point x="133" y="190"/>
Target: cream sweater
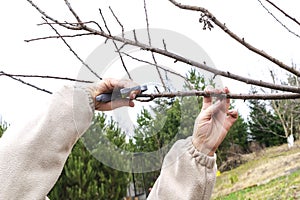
<point x="32" y="154"/>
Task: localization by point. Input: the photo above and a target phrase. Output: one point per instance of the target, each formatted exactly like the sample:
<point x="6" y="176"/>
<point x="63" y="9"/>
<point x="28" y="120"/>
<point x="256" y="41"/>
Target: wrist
<point x="202" y="158"/>
<point x="211" y="153"/>
<point x="200" y="146"/>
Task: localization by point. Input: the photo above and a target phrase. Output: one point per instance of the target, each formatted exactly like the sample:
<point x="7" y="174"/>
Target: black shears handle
<point x="122" y="93"/>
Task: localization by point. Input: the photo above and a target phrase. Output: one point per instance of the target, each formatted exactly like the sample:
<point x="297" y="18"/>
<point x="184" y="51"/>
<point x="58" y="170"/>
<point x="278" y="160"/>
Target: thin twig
<point x="51" y="18"/>
<point x="74" y="13"/>
<point x="289" y="30"/>
<point x="117" y="19"/>
<point x="165" y="45"/>
<point x="73" y="24"/>
<point x="58" y="37"/>
<point x="74" y="53"/>
<point x="115" y="44"/>
<point x="104" y="21"/>
<point x="30" y="85"/>
<point x="150" y="43"/>
<point x="2" y="73"/>
<point x="134" y="35"/>
<point x="287" y="15"/>
<point x="156" y="65"/>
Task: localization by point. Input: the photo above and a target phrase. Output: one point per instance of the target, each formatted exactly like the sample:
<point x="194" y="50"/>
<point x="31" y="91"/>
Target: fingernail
<point x="133" y="96"/>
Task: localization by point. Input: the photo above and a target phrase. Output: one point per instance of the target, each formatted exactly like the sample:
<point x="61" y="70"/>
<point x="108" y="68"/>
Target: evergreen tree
<point x="154" y="133"/>
<point x="263" y="125"/>
<point x="84" y="177"/>
<point x="237" y="136"/>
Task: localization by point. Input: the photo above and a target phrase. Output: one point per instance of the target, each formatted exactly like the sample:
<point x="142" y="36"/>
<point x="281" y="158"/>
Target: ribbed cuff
<point x="88" y="92"/>
<point x="202" y="159"/>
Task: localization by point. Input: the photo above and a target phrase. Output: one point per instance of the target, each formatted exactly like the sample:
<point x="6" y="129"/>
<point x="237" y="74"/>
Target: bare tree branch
<point x="66" y="25"/>
<point x="75" y="54"/>
<point x="235" y="37"/>
<point x="58" y="37"/>
<point x="150" y="97"/>
<point x="150" y="43"/>
<point x="289" y="30"/>
<point x="74" y="13"/>
<point x="114" y="42"/>
<point x="165" y="45"/>
<point x="74" y="24"/>
<point x="287" y="15"/>
<point x="2" y="73"/>
<point x="117" y="19"/>
<point x="25" y="83"/>
<point x="156" y="65"/>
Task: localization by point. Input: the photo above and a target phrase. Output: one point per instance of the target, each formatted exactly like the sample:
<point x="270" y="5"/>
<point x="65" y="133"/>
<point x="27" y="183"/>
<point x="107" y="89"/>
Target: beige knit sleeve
<point x="33" y="153"/>
<point x="186" y="174"/>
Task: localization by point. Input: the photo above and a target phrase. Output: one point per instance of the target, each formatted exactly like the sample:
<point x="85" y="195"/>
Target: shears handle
<point x="122" y="93"/>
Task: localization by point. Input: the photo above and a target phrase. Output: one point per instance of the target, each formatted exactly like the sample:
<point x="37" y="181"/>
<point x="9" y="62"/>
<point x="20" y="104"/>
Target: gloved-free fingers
<point x="216" y="110"/>
<point x="221" y="107"/>
<point x="207" y="100"/>
<point x="111" y="84"/>
<point x="114" y="104"/>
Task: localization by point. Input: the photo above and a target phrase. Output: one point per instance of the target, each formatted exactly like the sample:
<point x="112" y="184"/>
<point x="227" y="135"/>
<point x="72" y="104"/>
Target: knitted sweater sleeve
<point x="185" y="174"/>
<point x="32" y="154"/>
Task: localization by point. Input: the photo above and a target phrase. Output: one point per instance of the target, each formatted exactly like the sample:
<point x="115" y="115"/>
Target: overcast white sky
<point x="50" y="57"/>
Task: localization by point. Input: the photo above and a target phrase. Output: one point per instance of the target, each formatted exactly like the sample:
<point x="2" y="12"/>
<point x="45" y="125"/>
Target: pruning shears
<point x="122" y="93"/>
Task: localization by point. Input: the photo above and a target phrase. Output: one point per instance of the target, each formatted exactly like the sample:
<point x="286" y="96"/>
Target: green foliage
<point x="84" y="177"/>
<point x="238" y="133"/>
<point x="263" y="125"/>
<point x="153" y="133"/>
<point x="237" y="137"/>
<point x="285" y="187"/>
<point x="3" y="127"/>
<point x="196" y="80"/>
<point x="233" y="178"/>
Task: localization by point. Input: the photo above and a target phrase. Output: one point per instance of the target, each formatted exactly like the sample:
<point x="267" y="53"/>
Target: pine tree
<point x="84" y="177"/>
<point x="237" y="137"/>
<point x="263" y="125"/>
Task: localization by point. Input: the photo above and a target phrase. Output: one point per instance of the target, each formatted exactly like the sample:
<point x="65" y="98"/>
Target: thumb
<point x="232" y="116"/>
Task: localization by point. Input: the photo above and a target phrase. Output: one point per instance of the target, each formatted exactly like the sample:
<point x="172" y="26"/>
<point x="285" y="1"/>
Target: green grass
<point x="282" y="188"/>
<point x="271" y="174"/>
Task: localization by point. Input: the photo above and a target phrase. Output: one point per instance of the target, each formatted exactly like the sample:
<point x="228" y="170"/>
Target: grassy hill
<point x="273" y="173"/>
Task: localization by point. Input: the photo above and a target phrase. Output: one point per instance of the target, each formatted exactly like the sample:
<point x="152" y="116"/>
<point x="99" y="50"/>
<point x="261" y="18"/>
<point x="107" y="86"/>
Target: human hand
<point x="213" y="122"/>
<point x="109" y="86"/>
